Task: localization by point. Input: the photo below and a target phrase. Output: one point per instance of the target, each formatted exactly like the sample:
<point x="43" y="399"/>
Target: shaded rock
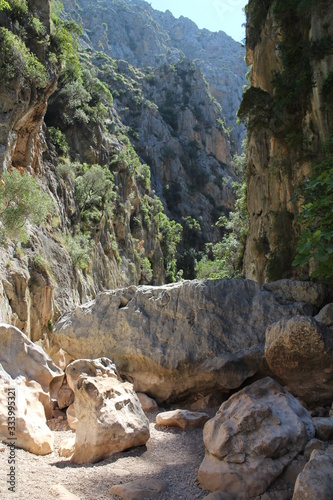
<point x="67" y="447"/>
<point x="148" y="404"/>
<point x="316" y="479"/>
<point x="298" y="291"/>
<point x="219" y="495"/>
<point x="325" y="315"/>
<point x="205" y="403"/>
<point x="22" y="358"/>
<point x="31" y="432"/>
<point x="314" y="444"/>
<point x="182" y="418"/>
<point x="71" y="417"/>
<point x="110" y="416"/>
<point x="252" y="438"/>
<point x="300" y="352"/>
<point x="324" y="428"/>
<point x="65" y="396"/>
<point x="59" y="491"/>
<point x="218" y="328"/>
<point x="141" y="489"/>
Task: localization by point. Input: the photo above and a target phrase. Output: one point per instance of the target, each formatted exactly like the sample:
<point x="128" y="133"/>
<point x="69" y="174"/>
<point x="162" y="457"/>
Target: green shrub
<point x="18" y="62"/>
<point x="79" y="248"/>
<point x="22" y="201"/>
<point x="59" y="140"/>
<point x="316" y="218"/>
<point x="94" y="192"/>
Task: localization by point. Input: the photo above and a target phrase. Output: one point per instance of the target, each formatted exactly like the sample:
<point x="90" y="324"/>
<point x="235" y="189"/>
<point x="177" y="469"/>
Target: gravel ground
<point x="171" y="454"/>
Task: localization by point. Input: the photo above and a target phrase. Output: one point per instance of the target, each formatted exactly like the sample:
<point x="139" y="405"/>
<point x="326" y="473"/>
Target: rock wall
<point x="276" y="164"/>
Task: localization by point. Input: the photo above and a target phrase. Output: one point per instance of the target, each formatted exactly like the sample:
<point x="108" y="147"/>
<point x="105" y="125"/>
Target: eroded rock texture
<point x="176" y="340"/>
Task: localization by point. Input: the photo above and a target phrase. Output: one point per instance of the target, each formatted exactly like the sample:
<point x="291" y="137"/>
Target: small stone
<point x="314" y="444"/>
<point x="182" y="418"/>
<point x="324" y="428"/>
<point x="60" y="492"/>
<point x="148" y="404"/>
<point x="326" y="315"/>
<point x="67" y="447"/>
<point x="141" y="489"/>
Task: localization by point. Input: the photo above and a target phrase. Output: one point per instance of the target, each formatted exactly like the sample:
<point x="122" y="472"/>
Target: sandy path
<point x="171" y="454"/>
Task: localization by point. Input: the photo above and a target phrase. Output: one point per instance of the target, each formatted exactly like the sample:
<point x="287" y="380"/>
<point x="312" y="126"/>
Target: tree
<point x="22" y="201"/>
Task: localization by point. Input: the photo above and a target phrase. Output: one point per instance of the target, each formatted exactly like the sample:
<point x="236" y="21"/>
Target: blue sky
<point x="215" y="15"/>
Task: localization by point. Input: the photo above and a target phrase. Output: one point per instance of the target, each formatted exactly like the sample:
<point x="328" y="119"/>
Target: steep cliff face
<point x="177" y="129"/>
<point x="288" y="122"/>
<point x="135" y="32"/>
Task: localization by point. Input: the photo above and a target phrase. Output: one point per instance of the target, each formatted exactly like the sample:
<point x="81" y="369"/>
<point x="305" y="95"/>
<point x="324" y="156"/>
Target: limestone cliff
<point x="289" y="52"/>
<point x="144" y="37"/>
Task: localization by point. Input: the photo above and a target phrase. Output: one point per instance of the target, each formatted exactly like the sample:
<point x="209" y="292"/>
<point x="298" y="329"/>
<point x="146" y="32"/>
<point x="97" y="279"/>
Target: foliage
<point x="79" y="248"/>
<point x="4" y="5"/>
<point x="224" y="259"/>
<point x="18" y="62"/>
<point x="316" y="218"/>
<point x="256" y="105"/>
<point x="21" y="202"/>
<point x="59" y="140"/>
<point x="256" y="13"/>
<point x="168" y="231"/>
<point x="94" y="192"/>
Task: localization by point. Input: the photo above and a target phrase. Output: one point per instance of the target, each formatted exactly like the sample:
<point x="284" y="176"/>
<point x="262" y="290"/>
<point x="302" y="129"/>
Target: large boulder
<point x="300" y="352"/>
<point x="22" y="358"/>
<point x="177" y="340"/>
<point x="110" y="416"/>
<point x="252" y="438"/>
<point x="30" y="431"/>
<point x="298" y="291"/>
<point x="316" y="480"/>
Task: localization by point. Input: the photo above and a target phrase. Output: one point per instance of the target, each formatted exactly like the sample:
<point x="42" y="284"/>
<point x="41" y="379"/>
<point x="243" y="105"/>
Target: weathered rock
<point x="141" y="489"/>
<point x="31" y="432"/>
<point x="176" y="340"/>
<point x="182" y="418"/>
<point x="325" y="315"/>
<point x="110" y="416"/>
<point x="298" y="291"/>
<point x="67" y="447"/>
<point x="83" y="368"/>
<point x="316" y="480"/>
<point x="22" y="358"/>
<point x="60" y="492"/>
<point x="300" y="352"/>
<point x="314" y="444"/>
<point x="71" y="417"/>
<point x="252" y="438"/>
<point x="65" y="396"/>
<point x="324" y="428"/>
<point x="148" y="404"/>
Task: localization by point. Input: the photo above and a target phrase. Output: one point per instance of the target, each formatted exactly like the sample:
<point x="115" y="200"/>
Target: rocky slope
<point x="144" y="37"/>
<point x="290" y="57"/>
